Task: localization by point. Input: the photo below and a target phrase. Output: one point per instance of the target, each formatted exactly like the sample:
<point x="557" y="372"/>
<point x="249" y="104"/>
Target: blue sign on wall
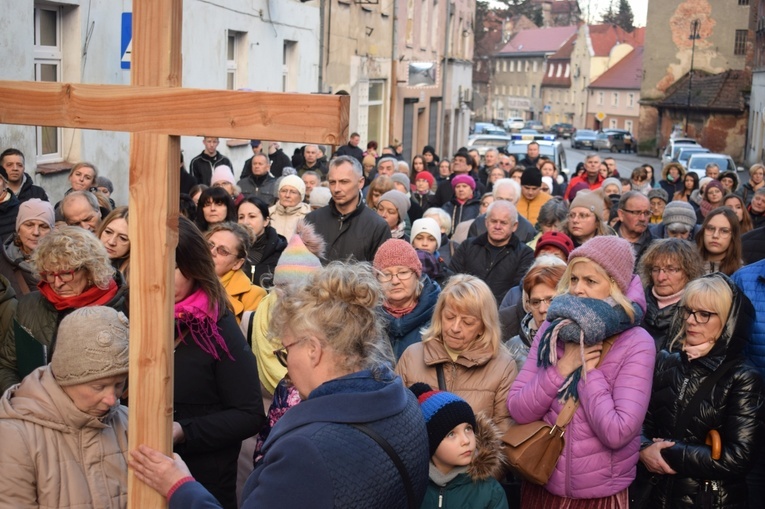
<point x="126" y="43"/>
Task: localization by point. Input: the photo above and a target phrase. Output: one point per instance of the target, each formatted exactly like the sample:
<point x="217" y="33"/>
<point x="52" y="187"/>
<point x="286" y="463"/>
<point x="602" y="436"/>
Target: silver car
<point x="697" y="163"/>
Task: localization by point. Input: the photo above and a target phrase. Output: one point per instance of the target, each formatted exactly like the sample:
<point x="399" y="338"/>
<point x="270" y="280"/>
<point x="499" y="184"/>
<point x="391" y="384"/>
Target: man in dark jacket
<point x="532" y="155"/>
<point x="312" y="162"/>
<point x="349" y="227"/>
<point x="203" y="165"/>
<point x="508" y="190"/>
<point x="260" y="183"/>
<point x="12" y="169"/>
<point x="352" y="148"/>
<point x="634" y="212"/>
<point x="497" y="256"/>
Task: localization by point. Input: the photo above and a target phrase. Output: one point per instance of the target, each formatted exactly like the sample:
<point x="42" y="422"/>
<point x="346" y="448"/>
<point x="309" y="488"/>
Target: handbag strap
<point x="440" y="376"/>
<point x="704" y="389"/>
<point x="394" y="457"/>
<point x="567" y="413"/>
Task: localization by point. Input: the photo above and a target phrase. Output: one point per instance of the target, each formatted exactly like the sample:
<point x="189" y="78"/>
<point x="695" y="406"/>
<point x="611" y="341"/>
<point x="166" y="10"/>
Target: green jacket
<point x="7" y="310"/>
<point x="34" y="327"/>
<point x="476" y="486"/>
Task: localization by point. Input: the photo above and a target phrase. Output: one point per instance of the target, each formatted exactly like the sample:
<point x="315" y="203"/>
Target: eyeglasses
<point x="700" y="316"/>
<point x="404" y="275"/>
<point x="281" y="353"/>
<point x="670" y="271"/>
<point x="222" y="251"/>
<point x="580" y="215"/>
<point x="639" y="213"/>
<point x="65" y="276"/>
<point x="722" y="232"/>
<point x="535" y="303"/>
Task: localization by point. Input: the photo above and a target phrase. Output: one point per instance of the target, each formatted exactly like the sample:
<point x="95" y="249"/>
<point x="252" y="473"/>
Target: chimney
<point x="546" y="15"/>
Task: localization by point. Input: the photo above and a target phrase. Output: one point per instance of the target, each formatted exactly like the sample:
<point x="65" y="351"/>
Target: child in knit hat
<point x="426" y="240"/>
<point x="465" y="455"/>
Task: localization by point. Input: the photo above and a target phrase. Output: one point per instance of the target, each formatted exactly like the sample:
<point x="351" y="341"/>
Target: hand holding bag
<point x="533" y="449"/>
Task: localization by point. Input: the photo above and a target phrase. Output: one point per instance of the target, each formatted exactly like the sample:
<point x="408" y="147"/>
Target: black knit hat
<point x="531" y="177"/>
<point x="443" y="411"/>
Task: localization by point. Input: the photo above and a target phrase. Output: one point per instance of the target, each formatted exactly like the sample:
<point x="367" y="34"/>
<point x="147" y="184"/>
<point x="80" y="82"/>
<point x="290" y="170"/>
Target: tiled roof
<point x="720" y="92"/>
<point x="541" y="40"/>
<point x="626" y="74"/>
<point x="558" y="63"/>
<point x="604" y="37"/>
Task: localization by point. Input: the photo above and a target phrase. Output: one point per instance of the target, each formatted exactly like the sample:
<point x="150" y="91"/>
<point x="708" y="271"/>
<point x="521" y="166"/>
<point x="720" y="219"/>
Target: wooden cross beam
<point x="155" y="110"/>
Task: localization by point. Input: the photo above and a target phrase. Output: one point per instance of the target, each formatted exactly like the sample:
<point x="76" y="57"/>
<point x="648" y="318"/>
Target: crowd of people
<point x="360" y="331"/>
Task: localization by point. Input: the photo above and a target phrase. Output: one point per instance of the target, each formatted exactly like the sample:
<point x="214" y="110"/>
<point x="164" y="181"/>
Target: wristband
<point x="178" y="484"/>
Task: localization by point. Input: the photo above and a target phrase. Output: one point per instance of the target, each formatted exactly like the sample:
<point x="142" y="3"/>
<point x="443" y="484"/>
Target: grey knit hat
<point x="658" y="193"/>
<point x="399" y="200"/>
<point x="679" y="212"/>
<point x="590" y="201"/>
<point x="92" y="343"/>
<point x="611" y="181"/>
<point x="402" y="179"/>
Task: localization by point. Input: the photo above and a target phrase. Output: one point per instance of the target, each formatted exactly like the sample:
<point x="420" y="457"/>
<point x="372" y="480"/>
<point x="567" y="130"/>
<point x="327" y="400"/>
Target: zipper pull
<point x="441" y="498"/>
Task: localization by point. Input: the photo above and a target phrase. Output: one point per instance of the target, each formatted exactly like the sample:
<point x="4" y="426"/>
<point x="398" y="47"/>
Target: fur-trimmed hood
<point x="488" y="460"/>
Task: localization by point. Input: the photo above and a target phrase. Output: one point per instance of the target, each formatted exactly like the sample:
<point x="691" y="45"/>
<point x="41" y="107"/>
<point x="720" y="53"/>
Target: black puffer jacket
<point x="735" y="407"/>
<point x="658" y="321"/>
<point x="263" y="257"/>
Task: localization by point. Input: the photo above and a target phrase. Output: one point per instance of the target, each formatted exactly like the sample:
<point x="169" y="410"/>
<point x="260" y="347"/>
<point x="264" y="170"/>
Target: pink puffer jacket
<point x="603" y="439"/>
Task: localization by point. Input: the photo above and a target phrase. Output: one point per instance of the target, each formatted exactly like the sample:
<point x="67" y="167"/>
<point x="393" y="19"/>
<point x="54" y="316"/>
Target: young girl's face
<point x="425" y="242"/>
<point x="456" y="449"/>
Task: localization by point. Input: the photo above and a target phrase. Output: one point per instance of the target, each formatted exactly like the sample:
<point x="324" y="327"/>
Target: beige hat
<point x="590" y="201"/>
<point x="92" y="343"/>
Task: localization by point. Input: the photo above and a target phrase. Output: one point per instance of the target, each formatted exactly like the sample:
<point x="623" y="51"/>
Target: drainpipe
<point x="393" y="77"/>
<point x="447" y="39"/>
<point x="321" y="43"/>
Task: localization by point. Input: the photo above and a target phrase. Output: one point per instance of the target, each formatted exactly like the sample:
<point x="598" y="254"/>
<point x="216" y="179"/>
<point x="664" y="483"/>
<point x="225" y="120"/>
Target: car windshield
<point x="686" y="153"/>
<point x="584" y="132"/>
<point x="519" y="150"/>
<point x="700" y="162"/>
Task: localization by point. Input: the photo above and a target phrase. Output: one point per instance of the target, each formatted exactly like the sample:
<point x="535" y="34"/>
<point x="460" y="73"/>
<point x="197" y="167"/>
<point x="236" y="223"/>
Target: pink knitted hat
<point x="395" y="252"/>
<point x="463" y="179"/>
<point x="612" y="253"/>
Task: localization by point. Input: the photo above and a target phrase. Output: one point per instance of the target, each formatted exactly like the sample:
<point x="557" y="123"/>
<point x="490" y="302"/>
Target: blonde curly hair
<point x="71" y="248"/>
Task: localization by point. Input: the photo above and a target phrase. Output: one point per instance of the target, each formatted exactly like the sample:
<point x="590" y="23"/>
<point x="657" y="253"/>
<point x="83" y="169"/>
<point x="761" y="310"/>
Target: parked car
<point x="548" y="146"/>
<point x="623" y="137"/>
<point x="514" y="123"/>
<point x="562" y="130"/>
<point x="674" y="146"/>
<point x="615" y="141"/>
<point x="697" y="163"/>
<point x="483" y="142"/>
<point x="685" y="153"/>
<point x="534" y="124"/>
<point x="482" y="127"/>
<point x="583" y="138"/>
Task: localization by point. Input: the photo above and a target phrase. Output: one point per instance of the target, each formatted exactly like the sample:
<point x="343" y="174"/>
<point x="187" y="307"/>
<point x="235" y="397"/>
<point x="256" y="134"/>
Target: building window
<point x="615" y="99"/>
<point x="410" y="23"/>
<point x="424" y="24"/>
<point x="376" y="110"/>
<point x="568" y="70"/>
<point x="743" y="2"/>
<point x="235" y="53"/>
<point x="630" y="100"/>
<point x="628" y="125"/>
<point x="512" y="65"/>
<point x="289" y="66"/>
<point x="612" y="123"/>
<point x="533" y="91"/>
<point x="496" y="90"/>
<point x="48" y="66"/>
<point x="498" y="65"/>
<point x="526" y="66"/>
<point x="550" y="72"/>
<point x="600" y="98"/>
<point x="536" y="66"/>
<point x="504" y="65"/>
<point x="739" y="47"/>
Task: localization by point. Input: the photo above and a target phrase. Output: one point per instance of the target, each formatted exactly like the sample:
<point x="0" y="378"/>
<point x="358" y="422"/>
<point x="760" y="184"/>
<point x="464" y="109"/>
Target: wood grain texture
<point x="153" y="228"/>
<point x="298" y="118"/>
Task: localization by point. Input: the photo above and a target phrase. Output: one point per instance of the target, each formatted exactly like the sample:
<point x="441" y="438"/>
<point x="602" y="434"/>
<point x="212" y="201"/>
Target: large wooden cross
<point x="156" y="111"/>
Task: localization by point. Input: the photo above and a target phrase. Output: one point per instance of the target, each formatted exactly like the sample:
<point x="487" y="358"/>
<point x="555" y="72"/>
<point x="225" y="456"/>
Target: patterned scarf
<point x="585" y="321"/>
<point x="194" y="312"/>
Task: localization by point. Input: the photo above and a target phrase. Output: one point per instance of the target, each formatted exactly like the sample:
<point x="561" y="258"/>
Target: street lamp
<point x="694" y="35"/>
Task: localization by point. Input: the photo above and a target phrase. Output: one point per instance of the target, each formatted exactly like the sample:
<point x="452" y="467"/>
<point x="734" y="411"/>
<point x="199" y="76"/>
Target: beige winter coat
<point x="284" y="219"/>
<point x="52" y="455"/>
<point x="478" y="376"/>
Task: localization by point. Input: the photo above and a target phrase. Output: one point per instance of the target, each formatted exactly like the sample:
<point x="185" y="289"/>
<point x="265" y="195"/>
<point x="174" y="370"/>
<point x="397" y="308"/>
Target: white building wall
<point x="755" y="150"/>
<point x="93" y="27"/>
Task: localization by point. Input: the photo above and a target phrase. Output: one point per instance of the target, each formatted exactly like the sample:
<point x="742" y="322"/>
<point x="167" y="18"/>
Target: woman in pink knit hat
<point x="598" y="299"/>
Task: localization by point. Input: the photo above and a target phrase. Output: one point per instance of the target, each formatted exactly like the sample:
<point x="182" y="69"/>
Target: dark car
<point x="584" y="138"/>
<point x="562" y="130"/>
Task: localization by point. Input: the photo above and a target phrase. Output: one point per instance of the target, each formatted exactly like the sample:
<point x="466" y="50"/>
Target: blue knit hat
<point x="443" y="411"/>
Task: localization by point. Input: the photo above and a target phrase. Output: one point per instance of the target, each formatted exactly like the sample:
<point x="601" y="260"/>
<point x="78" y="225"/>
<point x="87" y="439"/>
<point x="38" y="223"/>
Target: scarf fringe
<point x="203" y="329"/>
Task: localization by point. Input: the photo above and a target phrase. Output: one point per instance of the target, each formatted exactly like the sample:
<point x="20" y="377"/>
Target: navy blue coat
<point x="406" y="330"/>
<point x="313" y="458"/>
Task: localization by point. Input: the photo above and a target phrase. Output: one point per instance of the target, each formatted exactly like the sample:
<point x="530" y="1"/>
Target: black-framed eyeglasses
<point x="699" y="315"/>
<point x="65" y="276"/>
<point x="535" y="303"/>
<point x="639" y="213"/>
<point x="282" y="353"/>
<point x="404" y="275"/>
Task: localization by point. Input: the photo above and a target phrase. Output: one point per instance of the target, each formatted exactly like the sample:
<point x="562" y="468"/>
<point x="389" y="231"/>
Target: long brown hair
<point x="732" y="261"/>
<point x="194" y="260"/>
